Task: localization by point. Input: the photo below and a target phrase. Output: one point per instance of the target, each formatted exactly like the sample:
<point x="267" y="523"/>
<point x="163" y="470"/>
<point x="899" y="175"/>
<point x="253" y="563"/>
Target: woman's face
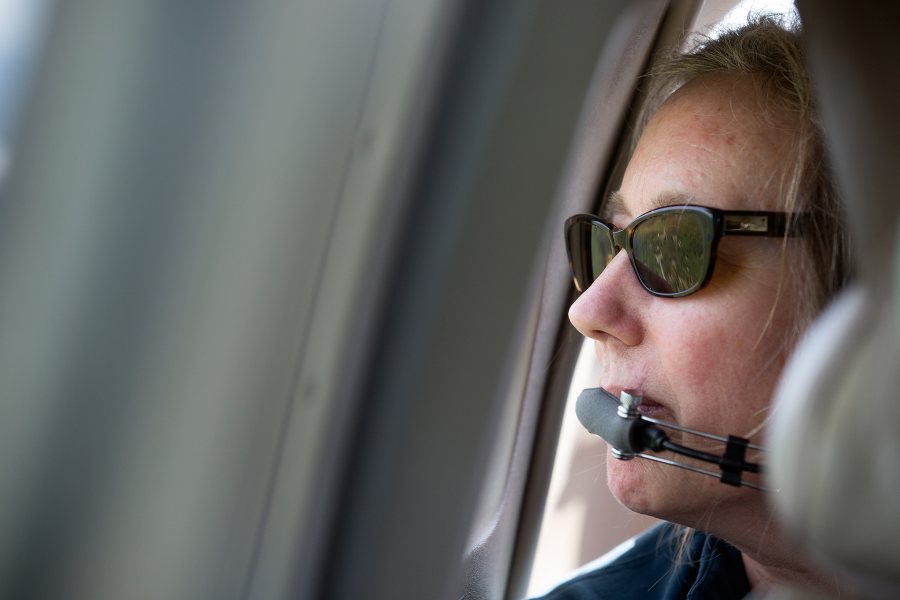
<point x="710" y="360"/>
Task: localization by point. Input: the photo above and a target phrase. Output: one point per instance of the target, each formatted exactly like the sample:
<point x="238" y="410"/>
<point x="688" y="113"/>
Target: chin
<point x="666" y="492"/>
<point x="636" y="485"/>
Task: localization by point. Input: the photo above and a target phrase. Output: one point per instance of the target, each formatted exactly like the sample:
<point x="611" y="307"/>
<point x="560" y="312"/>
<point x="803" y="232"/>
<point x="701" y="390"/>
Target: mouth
<point x="649" y="406"/>
<point x="653" y="409"/>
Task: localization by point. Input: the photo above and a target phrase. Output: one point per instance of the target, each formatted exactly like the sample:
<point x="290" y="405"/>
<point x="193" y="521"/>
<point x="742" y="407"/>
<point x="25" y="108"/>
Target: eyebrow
<point x="615" y="204"/>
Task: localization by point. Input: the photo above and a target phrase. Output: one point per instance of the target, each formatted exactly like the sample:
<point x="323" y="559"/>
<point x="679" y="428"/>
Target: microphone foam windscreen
<point x="596" y="409"/>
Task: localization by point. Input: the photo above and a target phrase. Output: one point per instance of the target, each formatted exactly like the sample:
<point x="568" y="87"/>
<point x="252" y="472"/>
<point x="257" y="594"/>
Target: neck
<point x="764" y="575"/>
<point x="771" y="560"/>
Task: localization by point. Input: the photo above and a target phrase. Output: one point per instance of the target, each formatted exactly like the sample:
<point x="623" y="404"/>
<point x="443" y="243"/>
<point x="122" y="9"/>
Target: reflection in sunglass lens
<point x="579" y="252"/>
<point x="602" y="250"/>
<point x="671" y="251"/>
<point x="590" y="250"/>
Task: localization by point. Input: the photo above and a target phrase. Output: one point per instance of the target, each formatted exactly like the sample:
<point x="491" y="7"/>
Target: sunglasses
<point x="672" y="249"/>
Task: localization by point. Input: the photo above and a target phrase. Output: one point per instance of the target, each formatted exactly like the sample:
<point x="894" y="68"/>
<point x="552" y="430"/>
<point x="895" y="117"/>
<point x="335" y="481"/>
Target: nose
<point x="611" y="307"/>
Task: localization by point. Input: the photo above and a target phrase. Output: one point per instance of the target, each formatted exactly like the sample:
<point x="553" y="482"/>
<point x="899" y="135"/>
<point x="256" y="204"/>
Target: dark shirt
<point x="709" y="568"/>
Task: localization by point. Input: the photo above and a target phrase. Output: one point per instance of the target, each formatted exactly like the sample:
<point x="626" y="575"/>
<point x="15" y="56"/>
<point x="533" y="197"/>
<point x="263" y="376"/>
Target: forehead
<point x="718" y="141"/>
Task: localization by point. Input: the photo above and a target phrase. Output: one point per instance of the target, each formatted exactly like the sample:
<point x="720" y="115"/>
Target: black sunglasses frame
<point x="738" y="222"/>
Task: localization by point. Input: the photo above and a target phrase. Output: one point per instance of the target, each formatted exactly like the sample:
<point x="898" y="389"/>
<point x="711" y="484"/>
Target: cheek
<point x="696" y="372"/>
<point x="690" y="343"/>
<point x="718" y="369"/>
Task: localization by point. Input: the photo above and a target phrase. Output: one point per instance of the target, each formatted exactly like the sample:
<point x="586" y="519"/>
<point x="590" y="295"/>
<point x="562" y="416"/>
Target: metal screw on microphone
<point x="627" y="409"/>
<point x="628" y="404"/>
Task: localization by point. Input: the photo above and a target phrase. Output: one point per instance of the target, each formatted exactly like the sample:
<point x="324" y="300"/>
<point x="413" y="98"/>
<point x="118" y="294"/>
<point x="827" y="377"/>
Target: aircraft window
<point x="582" y="520"/>
<point x="21" y="31"/>
<point x="737" y="16"/>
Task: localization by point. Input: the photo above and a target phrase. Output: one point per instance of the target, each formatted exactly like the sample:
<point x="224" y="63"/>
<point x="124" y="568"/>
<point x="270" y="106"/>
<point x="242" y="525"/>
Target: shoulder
<point x="636" y="569"/>
<point x="650" y="567"/>
<point x="719" y="572"/>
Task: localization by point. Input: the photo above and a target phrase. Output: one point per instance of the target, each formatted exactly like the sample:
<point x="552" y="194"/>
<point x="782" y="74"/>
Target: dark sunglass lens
<point x="590" y="250"/>
<point x="671" y="251"/>
<point x="602" y="249"/>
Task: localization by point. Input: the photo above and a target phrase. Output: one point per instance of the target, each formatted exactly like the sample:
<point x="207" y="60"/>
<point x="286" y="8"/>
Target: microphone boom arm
<point x="629" y="433"/>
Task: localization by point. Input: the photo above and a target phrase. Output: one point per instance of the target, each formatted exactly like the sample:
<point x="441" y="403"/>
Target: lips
<point x="649" y="406"/>
<point x="653" y="409"/>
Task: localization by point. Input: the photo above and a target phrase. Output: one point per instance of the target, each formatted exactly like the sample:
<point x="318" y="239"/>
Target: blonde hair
<point x="769" y="47"/>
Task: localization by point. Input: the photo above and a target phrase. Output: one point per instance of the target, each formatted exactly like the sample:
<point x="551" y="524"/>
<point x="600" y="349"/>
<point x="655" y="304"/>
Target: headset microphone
<point x="629" y="433"/>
